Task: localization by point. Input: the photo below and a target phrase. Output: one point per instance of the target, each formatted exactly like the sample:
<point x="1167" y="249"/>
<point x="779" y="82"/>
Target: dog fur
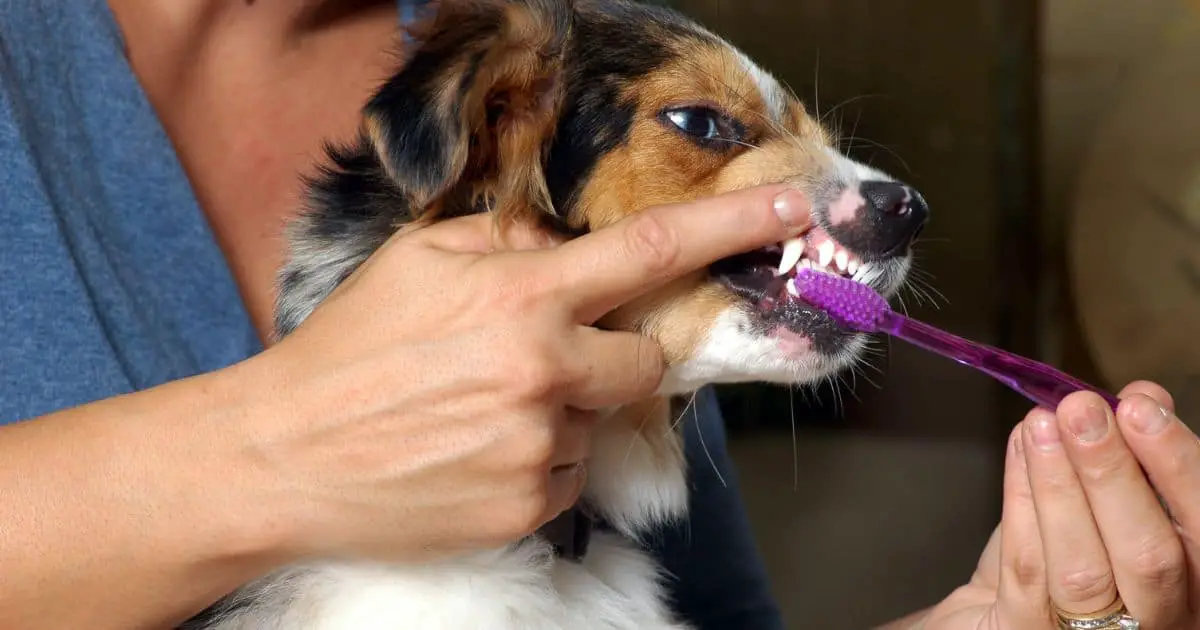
<point x="578" y="114"/>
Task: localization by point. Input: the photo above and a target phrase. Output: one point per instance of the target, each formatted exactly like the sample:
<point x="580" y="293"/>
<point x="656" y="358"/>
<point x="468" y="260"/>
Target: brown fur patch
<point x="496" y="96"/>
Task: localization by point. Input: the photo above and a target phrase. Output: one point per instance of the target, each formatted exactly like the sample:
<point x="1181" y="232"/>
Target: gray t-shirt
<point x="111" y="280"/>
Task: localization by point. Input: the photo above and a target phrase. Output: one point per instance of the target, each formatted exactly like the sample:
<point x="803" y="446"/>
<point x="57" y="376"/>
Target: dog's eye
<point x="699" y="122"/>
<point x="705" y="125"/>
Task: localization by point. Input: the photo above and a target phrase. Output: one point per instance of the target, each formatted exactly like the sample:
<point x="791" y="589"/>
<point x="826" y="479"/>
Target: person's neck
<point x="165" y="37"/>
<point x="248" y="91"/>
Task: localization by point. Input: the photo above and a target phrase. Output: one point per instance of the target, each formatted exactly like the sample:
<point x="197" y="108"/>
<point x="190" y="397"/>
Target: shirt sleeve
<point x="719" y="581"/>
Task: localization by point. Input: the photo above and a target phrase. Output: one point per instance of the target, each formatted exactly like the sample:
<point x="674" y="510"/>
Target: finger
<point x="563" y="489"/>
<point x="1170" y="454"/>
<point x="613" y="368"/>
<point x="1143" y="547"/>
<point x="604" y="269"/>
<point x="1021" y="596"/>
<point x="1079" y="576"/>
<point x="1152" y="390"/>
<point x="573" y="440"/>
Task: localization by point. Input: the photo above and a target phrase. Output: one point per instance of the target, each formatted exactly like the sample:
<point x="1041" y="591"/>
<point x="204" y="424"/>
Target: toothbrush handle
<point x="1040" y="383"/>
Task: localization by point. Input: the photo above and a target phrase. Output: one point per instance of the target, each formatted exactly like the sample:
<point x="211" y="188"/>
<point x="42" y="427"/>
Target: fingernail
<point x="791" y="208"/>
<point x="1090" y="425"/>
<point x="1044" y="431"/>
<point x="1145" y="415"/>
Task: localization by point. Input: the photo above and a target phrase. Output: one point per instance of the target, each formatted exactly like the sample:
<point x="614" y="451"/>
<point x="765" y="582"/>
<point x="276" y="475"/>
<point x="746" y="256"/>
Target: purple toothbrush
<point x="858" y="306"/>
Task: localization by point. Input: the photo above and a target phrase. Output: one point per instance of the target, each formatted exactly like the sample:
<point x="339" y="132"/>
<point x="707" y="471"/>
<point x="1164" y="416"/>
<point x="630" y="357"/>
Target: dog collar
<point x="569" y="533"/>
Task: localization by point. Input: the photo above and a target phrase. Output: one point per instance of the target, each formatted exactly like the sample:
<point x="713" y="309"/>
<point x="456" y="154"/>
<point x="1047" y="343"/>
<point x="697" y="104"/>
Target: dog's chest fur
<point x="615" y="586"/>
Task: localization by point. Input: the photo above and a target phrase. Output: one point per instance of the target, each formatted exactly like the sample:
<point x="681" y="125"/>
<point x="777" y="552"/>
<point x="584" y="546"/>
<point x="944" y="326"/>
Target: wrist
<point x="261" y="524"/>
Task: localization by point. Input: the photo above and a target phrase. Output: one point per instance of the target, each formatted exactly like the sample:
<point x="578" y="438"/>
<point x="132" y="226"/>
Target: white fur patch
<point x="853" y="172"/>
<point x="615" y="587"/>
<point x="734" y="352"/>
<point x="632" y="483"/>
<point x="768" y="86"/>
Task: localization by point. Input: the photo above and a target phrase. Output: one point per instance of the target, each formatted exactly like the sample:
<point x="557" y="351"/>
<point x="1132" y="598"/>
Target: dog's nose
<point x="899" y="212"/>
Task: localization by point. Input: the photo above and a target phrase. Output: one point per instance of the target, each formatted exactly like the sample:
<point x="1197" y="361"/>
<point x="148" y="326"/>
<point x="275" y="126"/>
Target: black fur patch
<point x="354" y="195"/>
<point x="614" y="44"/>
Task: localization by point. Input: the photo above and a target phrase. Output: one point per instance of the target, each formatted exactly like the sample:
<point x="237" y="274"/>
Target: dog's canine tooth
<point x="852" y="267"/>
<point x="793" y="249"/>
<point x="842" y="259"/>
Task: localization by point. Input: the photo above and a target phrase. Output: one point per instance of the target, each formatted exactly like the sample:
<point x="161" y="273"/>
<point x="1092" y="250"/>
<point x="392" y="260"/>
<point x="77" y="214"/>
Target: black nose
<point x="898" y="211"/>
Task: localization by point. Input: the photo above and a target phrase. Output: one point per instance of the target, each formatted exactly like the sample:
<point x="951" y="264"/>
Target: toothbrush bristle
<point x="854" y="304"/>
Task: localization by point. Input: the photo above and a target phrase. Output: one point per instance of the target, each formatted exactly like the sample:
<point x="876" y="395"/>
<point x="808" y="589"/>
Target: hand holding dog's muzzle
<point x="447" y="389"/>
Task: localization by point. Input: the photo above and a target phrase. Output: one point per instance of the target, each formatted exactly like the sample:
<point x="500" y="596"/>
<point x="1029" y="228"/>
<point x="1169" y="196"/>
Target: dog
<point x="575" y="114"/>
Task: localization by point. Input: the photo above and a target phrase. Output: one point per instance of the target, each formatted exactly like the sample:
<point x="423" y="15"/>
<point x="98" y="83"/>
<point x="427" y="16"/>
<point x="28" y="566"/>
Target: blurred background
<point x="1058" y="144"/>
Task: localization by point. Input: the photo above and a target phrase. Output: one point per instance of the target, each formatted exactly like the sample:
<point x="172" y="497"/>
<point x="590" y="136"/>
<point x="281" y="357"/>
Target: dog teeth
<point x="793" y="250"/>
<point x="791" y="288"/>
<point x="842" y="259"/>
<point x="825" y="253"/>
<point x="852" y="267"/>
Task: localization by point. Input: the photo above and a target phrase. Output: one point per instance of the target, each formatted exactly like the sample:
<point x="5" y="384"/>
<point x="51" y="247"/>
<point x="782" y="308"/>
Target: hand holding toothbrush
<point x="1082" y="533"/>
<point x="1086" y="541"/>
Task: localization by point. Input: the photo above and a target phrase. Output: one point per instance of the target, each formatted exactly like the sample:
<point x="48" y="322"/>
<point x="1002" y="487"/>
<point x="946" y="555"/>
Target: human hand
<point x="1082" y="525"/>
<point x="442" y="398"/>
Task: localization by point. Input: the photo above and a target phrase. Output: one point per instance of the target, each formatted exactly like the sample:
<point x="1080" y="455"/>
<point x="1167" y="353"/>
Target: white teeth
<point x="825" y="253"/>
<point x="842" y="259"/>
<point x="806" y="263"/>
<point x="791" y="288"/>
<point x="793" y="249"/>
<point x="852" y="268"/>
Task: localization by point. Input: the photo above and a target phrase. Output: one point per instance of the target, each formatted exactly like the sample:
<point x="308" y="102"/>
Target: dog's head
<point x="581" y="113"/>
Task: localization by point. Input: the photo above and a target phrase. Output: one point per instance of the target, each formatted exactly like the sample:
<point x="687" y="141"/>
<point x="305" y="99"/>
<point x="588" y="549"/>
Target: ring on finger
<point x="1114" y="617"/>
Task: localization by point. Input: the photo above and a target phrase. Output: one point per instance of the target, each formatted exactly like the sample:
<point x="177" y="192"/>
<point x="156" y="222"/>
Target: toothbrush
<point x="858" y="306"/>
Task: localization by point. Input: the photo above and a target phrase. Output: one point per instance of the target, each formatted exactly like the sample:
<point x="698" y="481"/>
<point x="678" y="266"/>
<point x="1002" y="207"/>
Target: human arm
<point x="403" y="400"/>
<point x="116" y="514"/>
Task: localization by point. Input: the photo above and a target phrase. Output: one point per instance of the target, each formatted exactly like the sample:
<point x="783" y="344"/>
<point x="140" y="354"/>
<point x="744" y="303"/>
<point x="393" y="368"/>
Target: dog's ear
<point x="477" y="103"/>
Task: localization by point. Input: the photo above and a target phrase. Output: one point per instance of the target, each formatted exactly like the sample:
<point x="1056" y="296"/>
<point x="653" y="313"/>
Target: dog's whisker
<point x="703" y="445"/>
<point x="795" y="445"/>
<point x="737" y="142"/>
<point x="634" y="437"/>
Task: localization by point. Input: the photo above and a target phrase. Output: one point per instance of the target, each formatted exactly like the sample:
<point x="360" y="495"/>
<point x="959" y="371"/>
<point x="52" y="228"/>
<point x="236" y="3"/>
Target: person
<point x="157" y="450"/>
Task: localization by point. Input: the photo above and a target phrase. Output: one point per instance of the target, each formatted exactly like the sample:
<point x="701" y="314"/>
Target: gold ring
<point x="1114" y="617"/>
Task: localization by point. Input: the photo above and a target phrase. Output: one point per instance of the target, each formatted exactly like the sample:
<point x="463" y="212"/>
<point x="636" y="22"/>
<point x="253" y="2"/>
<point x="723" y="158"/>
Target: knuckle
<point x="1105" y="467"/>
<point x="1160" y="564"/>
<point x="651" y="241"/>
<point x="1184" y="463"/>
<point x="1086" y="583"/>
<point x="521" y="510"/>
<point x="527" y="513"/>
<point x="536" y="374"/>
<point x="1028" y="570"/>
<point x="1058" y="484"/>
